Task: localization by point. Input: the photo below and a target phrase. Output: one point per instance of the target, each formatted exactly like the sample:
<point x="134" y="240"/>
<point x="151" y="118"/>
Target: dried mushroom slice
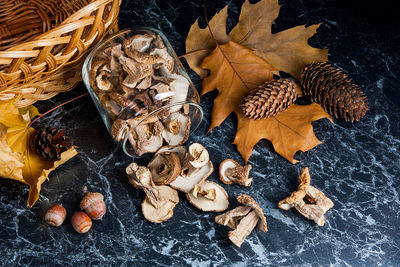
<point x="208" y="196"/>
<point x="165" y="207"/>
<point x="232" y="172"/>
<point x="243" y="219"/>
<point x="160" y="200"/>
<point x="136" y="71"/>
<point x="143" y="57"/>
<point x="180" y="151"/>
<point x="320" y="203"/>
<point x="139" y="42"/>
<point x="168" y="60"/>
<point x="186" y="183"/>
<point x="197" y="155"/>
<point x="180" y="86"/>
<point x="148" y="138"/>
<point x="165" y="167"/>
<point x="176" y="128"/>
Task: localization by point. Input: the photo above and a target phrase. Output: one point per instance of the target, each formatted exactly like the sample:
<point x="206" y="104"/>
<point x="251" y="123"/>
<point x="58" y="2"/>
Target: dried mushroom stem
<point x="320" y="203"/>
<point x="160" y="201"/>
<point x="298" y="195"/>
<point x="243" y="219"/>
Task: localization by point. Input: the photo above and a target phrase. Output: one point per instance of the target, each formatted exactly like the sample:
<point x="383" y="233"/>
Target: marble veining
<point x="357" y="166"/>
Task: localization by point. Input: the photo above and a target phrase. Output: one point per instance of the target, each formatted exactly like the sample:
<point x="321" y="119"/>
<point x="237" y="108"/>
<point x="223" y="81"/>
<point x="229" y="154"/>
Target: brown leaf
<point x="287" y="51"/>
<point x="19" y="138"/>
<point x="199" y="42"/>
<point x="235" y="71"/>
<point x="289" y="131"/>
<point x="228" y="63"/>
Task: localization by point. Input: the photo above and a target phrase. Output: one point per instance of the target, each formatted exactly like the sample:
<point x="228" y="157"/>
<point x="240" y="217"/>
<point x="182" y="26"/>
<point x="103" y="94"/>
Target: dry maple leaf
<point x="235" y="71"/>
<point x="19" y="139"/>
<point x="288" y="50"/>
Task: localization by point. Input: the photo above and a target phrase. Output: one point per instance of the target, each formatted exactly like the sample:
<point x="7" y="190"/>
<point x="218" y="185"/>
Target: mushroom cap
<point x="131" y="174"/>
<point x="168" y="60"/>
<point x="140" y="42"/>
<point x="249" y="201"/>
<point x="165" y="167"/>
<point x="176" y="128"/>
<point x="186" y="184"/>
<point x="220" y="203"/>
<point x="225" y="165"/>
<point x="169" y="198"/>
<point x="180" y="151"/>
<point x="198" y="155"/>
<point x="90" y="198"/>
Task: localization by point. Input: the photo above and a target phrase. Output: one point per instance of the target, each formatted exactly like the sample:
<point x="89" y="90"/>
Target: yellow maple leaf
<point x="19" y="138"/>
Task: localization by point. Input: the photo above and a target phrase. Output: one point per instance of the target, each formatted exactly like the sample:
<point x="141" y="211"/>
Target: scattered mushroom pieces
<point x="320" y="203"/>
<point x="208" y="196"/>
<point x="165" y="167"/>
<point x="177" y="128"/>
<point x="232" y="172"/>
<point x="148" y="138"/>
<point x="160" y="200"/>
<point x="243" y="219"/>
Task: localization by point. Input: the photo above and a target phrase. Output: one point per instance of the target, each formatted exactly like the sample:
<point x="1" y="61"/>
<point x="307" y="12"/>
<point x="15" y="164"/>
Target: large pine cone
<point x="334" y="91"/>
<point x="269" y="99"/>
<point x="50" y="142"/>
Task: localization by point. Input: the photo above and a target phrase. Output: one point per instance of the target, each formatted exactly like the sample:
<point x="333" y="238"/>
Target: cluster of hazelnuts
<point x="93" y="205"/>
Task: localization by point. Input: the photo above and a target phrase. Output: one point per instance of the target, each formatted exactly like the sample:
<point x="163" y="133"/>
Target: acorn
<point x="81" y="222"/>
<point x="55" y="215"/>
<point x="93" y="204"/>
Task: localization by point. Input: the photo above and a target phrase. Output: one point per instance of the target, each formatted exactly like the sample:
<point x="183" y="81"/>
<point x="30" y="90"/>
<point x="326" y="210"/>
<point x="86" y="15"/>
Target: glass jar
<point x="141" y="90"/>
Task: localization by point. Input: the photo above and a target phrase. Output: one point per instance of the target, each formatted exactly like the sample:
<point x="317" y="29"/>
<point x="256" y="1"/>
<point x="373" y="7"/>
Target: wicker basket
<point x="38" y="68"/>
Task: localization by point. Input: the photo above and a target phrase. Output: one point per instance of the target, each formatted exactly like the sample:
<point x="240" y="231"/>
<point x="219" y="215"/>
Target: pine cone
<point x="50" y="142"/>
<point x="269" y="99"/>
<point x="334" y="91"/>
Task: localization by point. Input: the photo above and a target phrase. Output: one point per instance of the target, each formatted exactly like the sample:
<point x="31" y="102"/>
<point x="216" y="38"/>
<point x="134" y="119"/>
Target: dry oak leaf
<point x="235" y="71"/>
<point x="288" y="50"/>
<point x="19" y="138"/>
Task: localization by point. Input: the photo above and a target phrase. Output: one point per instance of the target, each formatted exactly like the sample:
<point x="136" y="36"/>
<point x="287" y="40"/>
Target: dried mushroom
<point x="320" y="203"/>
<point x="165" y="167"/>
<point x="160" y="201"/>
<point x="138" y="76"/>
<point x="232" y="172"/>
<point x="176" y="128"/>
<point x="208" y="196"/>
<point x="243" y="219"/>
<point x="196" y="167"/>
<point x="180" y="151"/>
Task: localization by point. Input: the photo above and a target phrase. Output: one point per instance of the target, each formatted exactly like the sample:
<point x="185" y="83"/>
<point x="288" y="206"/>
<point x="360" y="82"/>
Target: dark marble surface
<point x="358" y="165"/>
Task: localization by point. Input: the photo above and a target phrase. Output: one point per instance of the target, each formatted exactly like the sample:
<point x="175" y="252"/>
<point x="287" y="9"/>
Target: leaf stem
<point x="56" y="107"/>
<point x="192" y="52"/>
<point x="219" y="47"/>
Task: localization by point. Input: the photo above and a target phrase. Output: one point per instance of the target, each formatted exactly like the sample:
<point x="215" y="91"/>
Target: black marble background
<point x="358" y="165"/>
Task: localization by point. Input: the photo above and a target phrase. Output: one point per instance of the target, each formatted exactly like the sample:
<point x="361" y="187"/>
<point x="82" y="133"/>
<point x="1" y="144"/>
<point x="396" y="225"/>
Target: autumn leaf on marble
<point x="287" y="50"/>
<point x="21" y="162"/>
<point x="235" y="69"/>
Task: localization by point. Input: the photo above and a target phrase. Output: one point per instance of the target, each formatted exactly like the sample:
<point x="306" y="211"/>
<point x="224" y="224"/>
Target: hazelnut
<point x="81" y="222"/>
<point x="55" y="215"/>
<point x="93" y="204"/>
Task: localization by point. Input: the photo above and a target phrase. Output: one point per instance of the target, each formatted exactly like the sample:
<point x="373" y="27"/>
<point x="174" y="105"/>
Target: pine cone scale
<point x="50" y="143"/>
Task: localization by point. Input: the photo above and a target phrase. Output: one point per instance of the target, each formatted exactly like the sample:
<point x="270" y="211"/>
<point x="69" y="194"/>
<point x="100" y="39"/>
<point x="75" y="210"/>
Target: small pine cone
<point x="334" y="91"/>
<point x="269" y="99"/>
<point x="50" y="142"/>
